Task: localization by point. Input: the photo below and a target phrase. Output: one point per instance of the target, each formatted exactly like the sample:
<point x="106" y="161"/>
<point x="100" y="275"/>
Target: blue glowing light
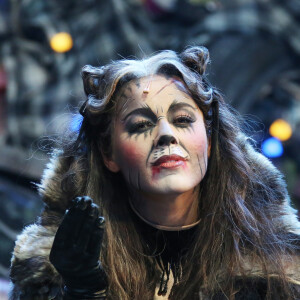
<point x="272" y="147"/>
<point x="76" y="123"/>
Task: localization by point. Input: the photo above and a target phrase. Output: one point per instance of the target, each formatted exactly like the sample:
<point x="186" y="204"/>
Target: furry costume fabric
<point x="34" y="277"/>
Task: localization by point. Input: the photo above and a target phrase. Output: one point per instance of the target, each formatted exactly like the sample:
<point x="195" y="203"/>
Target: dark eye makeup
<point x="140" y="126"/>
<point x="182" y="120"/>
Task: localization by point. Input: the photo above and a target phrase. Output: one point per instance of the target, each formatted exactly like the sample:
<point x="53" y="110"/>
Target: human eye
<point x="183" y="120"/>
<point x="140" y="126"/>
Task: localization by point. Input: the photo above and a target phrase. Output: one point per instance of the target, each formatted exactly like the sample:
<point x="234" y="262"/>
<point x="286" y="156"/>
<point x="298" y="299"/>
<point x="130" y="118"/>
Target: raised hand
<point x="76" y="249"/>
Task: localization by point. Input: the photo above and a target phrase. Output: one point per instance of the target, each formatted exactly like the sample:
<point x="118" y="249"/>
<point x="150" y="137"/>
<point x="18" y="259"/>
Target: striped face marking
<point x="159" y="139"/>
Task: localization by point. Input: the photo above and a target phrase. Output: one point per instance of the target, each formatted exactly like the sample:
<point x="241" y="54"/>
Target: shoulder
<point x="255" y="283"/>
<point x="31" y="272"/>
<point x="255" y="288"/>
<point x="268" y="189"/>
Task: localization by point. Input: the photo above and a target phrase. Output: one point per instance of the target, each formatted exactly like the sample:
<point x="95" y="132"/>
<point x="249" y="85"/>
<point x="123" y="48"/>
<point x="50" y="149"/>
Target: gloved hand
<point x="76" y="249"/>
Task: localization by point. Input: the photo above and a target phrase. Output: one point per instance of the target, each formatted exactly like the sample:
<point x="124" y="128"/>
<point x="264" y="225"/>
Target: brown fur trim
<point x="50" y="187"/>
<point x="33" y="276"/>
<point x="279" y="207"/>
<point x="30" y="261"/>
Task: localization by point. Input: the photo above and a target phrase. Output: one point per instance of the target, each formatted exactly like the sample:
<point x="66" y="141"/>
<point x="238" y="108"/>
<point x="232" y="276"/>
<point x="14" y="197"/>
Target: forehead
<point x="152" y="90"/>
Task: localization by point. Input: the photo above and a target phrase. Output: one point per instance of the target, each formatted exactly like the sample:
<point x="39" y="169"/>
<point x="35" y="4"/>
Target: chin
<point x="171" y="189"/>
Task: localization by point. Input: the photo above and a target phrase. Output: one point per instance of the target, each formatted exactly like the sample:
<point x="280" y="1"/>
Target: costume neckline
<point x="163" y="227"/>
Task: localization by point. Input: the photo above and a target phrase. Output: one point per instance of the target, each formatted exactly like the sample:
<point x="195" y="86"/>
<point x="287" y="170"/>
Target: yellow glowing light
<point x="281" y="130"/>
<point x="61" y="42"/>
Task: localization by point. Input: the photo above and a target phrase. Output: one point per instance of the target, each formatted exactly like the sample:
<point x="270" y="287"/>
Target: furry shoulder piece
<point x="34" y="277"/>
<point x="32" y="274"/>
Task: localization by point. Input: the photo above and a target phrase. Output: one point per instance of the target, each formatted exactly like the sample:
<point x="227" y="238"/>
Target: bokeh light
<point x="272" y="147"/>
<point x="61" y="42"/>
<point x="281" y="130"/>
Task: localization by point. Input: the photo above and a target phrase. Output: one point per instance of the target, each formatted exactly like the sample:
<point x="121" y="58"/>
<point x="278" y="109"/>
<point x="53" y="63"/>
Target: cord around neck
<point x="162" y="227"/>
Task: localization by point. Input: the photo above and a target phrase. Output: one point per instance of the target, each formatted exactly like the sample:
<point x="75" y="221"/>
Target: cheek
<point x="200" y="145"/>
<point x="129" y="154"/>
<point x="199" y="141"/>
<point x="197" y="146"/>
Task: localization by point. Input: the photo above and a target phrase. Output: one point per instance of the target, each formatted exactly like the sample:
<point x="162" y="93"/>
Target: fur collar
<point x="30" y="263"/>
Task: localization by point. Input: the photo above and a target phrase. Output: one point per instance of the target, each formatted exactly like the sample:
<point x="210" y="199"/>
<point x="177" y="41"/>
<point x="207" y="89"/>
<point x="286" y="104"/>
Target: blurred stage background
<point x="255" y="52"/>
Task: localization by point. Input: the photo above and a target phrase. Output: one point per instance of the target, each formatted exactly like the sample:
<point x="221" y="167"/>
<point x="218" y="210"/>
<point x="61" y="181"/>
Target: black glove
<point x="76" y="249"/>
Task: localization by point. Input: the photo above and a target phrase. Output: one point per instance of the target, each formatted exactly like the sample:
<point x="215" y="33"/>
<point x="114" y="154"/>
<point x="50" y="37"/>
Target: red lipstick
<point x="169" y="161"/>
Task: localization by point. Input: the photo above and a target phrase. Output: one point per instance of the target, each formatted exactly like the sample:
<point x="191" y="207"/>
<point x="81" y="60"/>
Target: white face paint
<point x="159" y="142"/>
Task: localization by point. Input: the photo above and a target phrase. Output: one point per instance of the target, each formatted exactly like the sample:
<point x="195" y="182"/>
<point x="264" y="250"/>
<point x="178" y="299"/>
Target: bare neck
<point x="168" y="210"/>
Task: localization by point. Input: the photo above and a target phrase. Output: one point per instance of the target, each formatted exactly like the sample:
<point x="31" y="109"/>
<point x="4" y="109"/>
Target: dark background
<point x="255" y="53"/>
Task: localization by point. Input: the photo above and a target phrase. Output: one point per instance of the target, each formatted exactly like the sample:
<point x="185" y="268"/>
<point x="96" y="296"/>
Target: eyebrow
<point x="177" y="105"/>
<point x="148" y="112"/>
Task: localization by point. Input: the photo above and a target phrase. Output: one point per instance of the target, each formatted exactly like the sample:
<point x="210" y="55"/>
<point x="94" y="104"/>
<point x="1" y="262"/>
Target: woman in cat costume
<point x="160" y="195"/>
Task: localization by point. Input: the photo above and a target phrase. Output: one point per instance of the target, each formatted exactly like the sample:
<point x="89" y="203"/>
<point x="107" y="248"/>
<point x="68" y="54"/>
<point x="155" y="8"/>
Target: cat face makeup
<point x="159" y="140"/>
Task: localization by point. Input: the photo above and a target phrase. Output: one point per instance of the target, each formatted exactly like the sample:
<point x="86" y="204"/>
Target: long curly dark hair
<point x="240" y="197"/>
